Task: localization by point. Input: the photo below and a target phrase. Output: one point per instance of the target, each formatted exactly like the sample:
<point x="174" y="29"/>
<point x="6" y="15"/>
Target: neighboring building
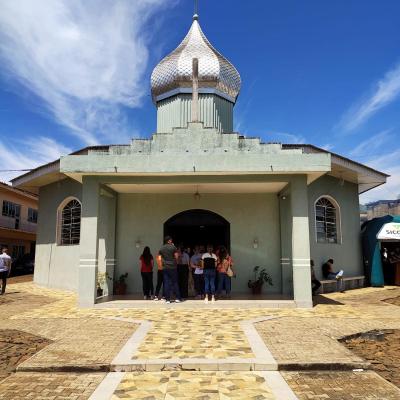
<point x="363" y="213"/>
<point x="381" y="208"/>
<point x="18" y="220"/>
<point x="274" y="205"/>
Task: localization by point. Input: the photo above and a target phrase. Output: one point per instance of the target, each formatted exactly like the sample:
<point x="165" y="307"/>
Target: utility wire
<point x="15" y="170"/>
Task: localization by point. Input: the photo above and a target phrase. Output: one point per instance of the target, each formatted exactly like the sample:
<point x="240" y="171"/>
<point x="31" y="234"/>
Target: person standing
<point x="5" y="268"/>
<point x="195" y="264"/>
<point x="146" y="270"/>
<point x="209" y="264"/>
<point x="160" y="279"/>
<point x="225" y="271"/>
<point x="183" y="271"/>
<point x="168" y="257"/>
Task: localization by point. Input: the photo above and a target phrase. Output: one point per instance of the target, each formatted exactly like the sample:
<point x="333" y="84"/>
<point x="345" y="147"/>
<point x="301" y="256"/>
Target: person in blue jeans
<point x="168" y="256"/>
<point x="329" y="273"/>
<point x="224" y="264"/>
<point x="209" y="264"/>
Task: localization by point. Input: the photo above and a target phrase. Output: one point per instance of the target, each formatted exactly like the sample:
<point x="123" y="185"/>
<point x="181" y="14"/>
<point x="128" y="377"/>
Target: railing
<point x="9" y="223"/>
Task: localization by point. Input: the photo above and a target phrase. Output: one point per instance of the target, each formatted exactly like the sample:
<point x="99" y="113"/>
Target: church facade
<point x="273" y="205"/>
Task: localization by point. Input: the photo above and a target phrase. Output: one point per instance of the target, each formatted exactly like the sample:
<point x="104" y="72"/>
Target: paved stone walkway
<point x="193" y="386"/>
<point x="49" y="386"/>
<point x="364" y="385"/>
<point x="97" y="337"/>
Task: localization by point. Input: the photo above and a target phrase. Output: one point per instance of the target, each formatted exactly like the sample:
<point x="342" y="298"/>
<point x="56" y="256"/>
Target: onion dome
<point x="216" y="74"/>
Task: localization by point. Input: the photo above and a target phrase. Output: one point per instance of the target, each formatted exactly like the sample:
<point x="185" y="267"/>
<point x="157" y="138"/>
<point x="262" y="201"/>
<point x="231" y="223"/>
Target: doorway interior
<point x="198" y="227"/>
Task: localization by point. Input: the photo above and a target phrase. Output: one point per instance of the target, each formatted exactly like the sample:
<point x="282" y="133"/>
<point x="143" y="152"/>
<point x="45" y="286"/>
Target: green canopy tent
<point x="371" y="233"/>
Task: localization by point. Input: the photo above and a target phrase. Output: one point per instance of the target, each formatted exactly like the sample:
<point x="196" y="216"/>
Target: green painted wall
<point x="55" y="266"/>
<point x="347" y="254"/>
<point x="141" y="216"/>
<point x="106" y="233"/>
<point x="176" y="112"/>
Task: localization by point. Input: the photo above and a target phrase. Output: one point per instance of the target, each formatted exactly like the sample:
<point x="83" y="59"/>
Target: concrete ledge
<point x="188" y="364"/>
<point x="196" y="304"/>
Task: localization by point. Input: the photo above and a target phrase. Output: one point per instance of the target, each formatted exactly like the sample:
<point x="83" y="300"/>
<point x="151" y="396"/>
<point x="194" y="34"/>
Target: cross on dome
<point x="173" y="75"/>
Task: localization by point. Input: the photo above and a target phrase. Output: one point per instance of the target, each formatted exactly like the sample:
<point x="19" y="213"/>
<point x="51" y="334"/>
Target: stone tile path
<point x="364" y="385"/>
<point x="193" y="386"/>
<point x="93" y="337"/>
<point x="49" y="386"/>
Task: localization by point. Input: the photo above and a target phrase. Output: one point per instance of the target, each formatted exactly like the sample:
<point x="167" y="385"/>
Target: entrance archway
<point x="198" y="227"/>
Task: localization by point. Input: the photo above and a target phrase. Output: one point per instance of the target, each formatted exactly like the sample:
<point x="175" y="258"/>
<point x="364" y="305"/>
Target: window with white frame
<point x="326" y="223"/>
<point x="70" y="223"/>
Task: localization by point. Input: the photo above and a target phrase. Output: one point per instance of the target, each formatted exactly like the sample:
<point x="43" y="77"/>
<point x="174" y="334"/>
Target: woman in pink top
<point x="146" y="269"/>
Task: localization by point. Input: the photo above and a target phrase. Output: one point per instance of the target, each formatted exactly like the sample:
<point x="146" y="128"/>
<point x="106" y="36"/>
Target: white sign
<point x="390" y="231"/>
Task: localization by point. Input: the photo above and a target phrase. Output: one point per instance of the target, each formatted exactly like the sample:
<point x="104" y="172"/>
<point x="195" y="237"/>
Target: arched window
<point x="326" y="221"/>
<point x="70" y="223"/>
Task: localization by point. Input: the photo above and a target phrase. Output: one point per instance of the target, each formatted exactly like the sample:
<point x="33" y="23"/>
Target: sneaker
<point x="156" y="298"/>
<point x="213" y="299"/>
<point x="163" y="301"/>
<point x="206" y="299"/>
<point x="178" y="301"/>
<point x="168" y="301"/>
<point x="151" y="297"/>
<point x="340" y="274"/>
<point x="144" y="297"/>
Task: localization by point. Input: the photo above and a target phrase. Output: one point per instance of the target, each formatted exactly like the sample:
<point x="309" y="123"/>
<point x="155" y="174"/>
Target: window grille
<point x="32" y="215"/>
<point x="325" y="221"/>
<point x="71" y="223"/>
<point x="11" y="209"/>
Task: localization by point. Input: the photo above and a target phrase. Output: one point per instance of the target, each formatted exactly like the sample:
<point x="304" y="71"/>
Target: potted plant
<point x="101" y="280"/>
<point x="120" y="284"/>
<point x="261" y="276"/>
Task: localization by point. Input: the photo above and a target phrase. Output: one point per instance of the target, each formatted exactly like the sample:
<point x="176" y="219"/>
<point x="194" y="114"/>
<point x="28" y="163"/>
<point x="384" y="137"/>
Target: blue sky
<point x="75" y="73"/>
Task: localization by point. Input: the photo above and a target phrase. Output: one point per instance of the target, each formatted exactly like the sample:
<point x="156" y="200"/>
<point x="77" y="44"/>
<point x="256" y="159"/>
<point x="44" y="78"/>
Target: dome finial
<point x="196" y="10"/>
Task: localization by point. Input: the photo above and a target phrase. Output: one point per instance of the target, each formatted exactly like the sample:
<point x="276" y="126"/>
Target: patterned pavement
<point x="341" y="386"/>
<point x="49" y="386"/>
<point x="193" y="386"/>
<point x="93" y="337"/>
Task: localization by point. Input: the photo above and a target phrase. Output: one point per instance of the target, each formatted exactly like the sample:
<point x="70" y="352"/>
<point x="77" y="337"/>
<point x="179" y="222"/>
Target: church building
<point x="272" y="205"/>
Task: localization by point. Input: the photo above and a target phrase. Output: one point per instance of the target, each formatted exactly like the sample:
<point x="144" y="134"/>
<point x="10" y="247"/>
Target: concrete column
<point x="300" y="242"/>
<point x="285" y="218"/>
<point x="89" y="242"/>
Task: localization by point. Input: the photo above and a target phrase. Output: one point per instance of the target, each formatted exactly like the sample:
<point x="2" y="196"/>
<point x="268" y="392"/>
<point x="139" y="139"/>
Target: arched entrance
<point x="198" y="227"/>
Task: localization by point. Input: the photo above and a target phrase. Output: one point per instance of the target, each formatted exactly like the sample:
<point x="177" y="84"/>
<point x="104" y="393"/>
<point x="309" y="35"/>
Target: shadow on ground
<point x="321" y="299"/>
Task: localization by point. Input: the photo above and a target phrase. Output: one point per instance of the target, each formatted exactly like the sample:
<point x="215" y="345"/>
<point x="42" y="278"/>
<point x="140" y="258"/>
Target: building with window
<point x="381" y="208"/>
<point x="18" y="220"/>
<point x="273" y="205"/>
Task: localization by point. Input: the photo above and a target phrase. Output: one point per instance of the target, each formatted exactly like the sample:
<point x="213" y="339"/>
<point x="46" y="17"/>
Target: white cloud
<point x="85" y="59"/>
<point x="385" y="91"/>
<point x="373" y="143"/>
<point x="390" y="164"/>
<point x="29" y="154"/>
<point x="286" y="138"/>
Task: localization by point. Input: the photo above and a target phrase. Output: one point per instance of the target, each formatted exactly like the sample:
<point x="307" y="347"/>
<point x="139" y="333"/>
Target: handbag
<point x="229" y="271"/>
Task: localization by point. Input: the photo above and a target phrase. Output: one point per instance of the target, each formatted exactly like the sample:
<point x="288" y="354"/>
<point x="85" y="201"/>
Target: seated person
<point x="315" y="283"/>
<point x="328" y="273"/>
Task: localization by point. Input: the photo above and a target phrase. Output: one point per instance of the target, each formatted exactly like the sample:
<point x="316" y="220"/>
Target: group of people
<point x="328" y="273"/>
<point x="203" y="273"/>
<point x="5" y="268"/>
<point x="390" y="261"/>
